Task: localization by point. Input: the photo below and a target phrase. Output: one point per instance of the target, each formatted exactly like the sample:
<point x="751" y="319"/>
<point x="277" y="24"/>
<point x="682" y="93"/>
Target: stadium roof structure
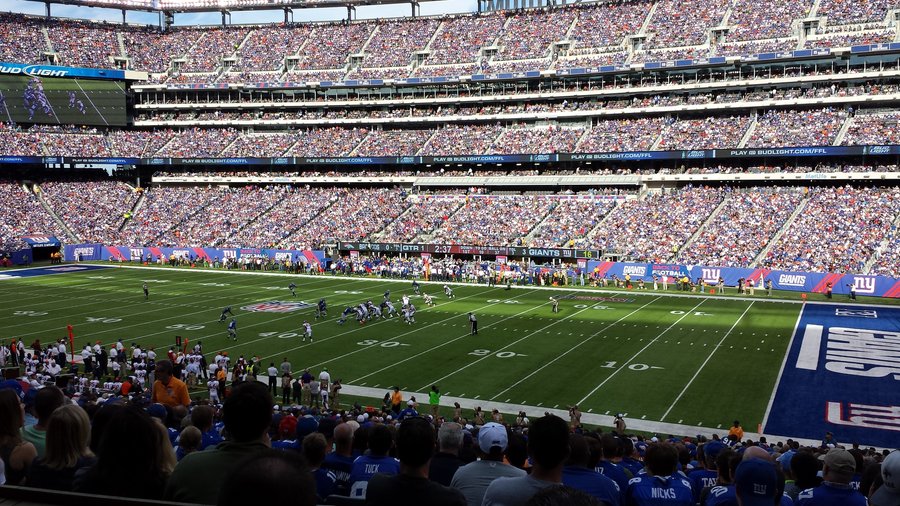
<point x="226" y="5"/>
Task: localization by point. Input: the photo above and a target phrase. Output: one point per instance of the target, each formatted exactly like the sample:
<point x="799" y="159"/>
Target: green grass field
<point x="694" y="361"/>
<point x="103" y="101"/>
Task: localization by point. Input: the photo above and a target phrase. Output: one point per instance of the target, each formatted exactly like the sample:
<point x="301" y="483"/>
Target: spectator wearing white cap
<point x="473" y="479"/>
<point x="548" y="448"/>
<point x="838" y="470"/>
<point x="888" y="494"/>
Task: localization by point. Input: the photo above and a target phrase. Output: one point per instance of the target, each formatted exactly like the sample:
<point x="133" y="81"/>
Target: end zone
<point x="45" y="271"/>
<point x="841" y="375"/>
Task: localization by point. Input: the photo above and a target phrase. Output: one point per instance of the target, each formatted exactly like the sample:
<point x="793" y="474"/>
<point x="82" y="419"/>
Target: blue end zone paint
<point x="44" y="271"/>
<point x="842" y="375"/>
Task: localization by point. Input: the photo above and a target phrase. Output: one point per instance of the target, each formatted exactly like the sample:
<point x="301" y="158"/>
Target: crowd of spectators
<point x="838" y="231"/>
<point x="327" y="142"/>
<point x="295" y="207"/>
<point x="198" y="143"/>
<point x="868" y="129"/>
<point x="165" y="207"/>
<point x="630" y="134"/>
<point x="23" y="215"/>
<point x="755" y="47"/>
<point x="704" y="133"/>
<point x="524" y="38"/>
<point x="93" y="210"/>
<point x="678" y="23"/>
<point x="765" y="19"/>
<point x="394" y="42"/>
<point x="537" y="140"/>
<point x="653" y="229"/>
<point x="424" y="214"/>
<point x="393" y="142"/>
<point x="330" y="45"/>
<point x="493" y="220"/>
<point x="743" y="227"/>
<point x="207" y="53"/>
<point x="261" y="145"/>
<point x="223" y="216"/>
<point x="353" y="214"/>
<point x="267" y="46"/>
<point x="152" y="51"/>
<point x="460" y="39"/>
<point x="460" y="140"/>
<point x="22" y="38"/>
<point x="814" y="127"/>
<point x="844" y="12"/>
<point x="665" y="55"/>
<point x="592" y="60"/>
<point x="606" y="25"/>
<point x="569" y="221"/>
<point x="528" y="34"/>
<point x="83" y="44"/>
<point x="852" y="39"/>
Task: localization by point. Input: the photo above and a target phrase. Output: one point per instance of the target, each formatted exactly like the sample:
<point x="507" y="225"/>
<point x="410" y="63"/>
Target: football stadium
<point x="615" y="252"/>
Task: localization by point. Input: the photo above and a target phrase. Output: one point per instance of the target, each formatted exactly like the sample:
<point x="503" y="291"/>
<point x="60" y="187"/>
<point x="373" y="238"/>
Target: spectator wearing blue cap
<point x="756" y="483"/>
<point x="16" y="454"/>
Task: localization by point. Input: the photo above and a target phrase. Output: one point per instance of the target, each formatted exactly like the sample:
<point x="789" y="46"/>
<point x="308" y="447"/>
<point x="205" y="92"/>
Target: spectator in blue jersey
<point x="630" y="456"/>
<point x="340" y="461"/>
<point x="314" y="449"/>
<point x="548" y="448"/>
<point x="578" y="475"/>
<point x="756" y="483"/>
<point x="408" y="411"/>
<point x="835" y="490"/>
<point x="705" y="476"/>
<point x="608" y="451"/>
<point x="722" y="493"/>
<point x="411" y="486"/>
<point x="377" y="460"/>
<point x="660" y="486"/>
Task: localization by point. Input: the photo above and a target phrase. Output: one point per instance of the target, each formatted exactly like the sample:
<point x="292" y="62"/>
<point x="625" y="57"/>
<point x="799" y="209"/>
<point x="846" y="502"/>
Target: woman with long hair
<point x="67" y="450"/>
<point x="15" y="453"/>
<point x="134" y="458"/>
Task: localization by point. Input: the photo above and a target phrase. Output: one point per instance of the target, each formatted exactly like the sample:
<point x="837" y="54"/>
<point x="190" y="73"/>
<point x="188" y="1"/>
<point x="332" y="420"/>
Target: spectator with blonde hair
<point x="67" y="450"/>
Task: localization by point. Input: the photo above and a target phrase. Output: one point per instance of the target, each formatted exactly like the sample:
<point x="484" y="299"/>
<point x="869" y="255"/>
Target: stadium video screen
<point x="56" y="101"/>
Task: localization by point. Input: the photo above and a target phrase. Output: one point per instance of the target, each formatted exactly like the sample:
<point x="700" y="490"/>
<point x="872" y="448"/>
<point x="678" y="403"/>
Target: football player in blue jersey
<point x="661" y="486"/>
<point x="293" y="288"/>
<point x="350" y="310"/>
<point x="321" y="309"/>
<point x="225" y="311"/>
<point x="232" y="329"/>
<point x="415" y="287"/>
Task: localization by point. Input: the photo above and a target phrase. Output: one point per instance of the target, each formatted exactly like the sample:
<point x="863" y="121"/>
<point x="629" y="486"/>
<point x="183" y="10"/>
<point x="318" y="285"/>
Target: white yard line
<point x="412" y="331"/>
<point x="470" y="364"/>
<point x="697" y="372"/>
<point x="787" y="353"/>
<point x="570" y="350"/>
<point x="628" y="362"/>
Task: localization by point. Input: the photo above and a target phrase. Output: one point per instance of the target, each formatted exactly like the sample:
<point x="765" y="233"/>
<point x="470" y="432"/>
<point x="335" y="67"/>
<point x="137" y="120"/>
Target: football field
<point x="695" y="361"/>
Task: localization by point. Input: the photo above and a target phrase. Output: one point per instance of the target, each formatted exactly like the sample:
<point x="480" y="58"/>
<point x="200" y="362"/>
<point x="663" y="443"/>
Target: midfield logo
<point x="277" y="306"/>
